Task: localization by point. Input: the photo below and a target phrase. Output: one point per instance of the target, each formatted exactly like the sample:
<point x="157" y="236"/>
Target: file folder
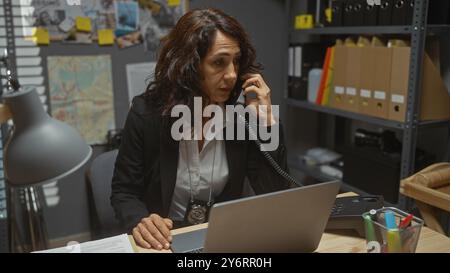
<point x="381" y="84"/>
<point x="399" y="12"/>
<point x="399" y="83"/>
<point x="353" y="73"/>
<point x="337" y="7"/>
<point x="370" y="14"/>
<point x="366" y="104"/>
<point x="339" y="79"/>
<point x="385" y="13"/>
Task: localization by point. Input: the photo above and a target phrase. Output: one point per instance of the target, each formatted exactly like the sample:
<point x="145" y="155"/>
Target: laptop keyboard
<point x="197" y="250"/>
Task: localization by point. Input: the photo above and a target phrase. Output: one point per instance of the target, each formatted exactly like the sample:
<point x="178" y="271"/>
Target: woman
<point x="160" y="183"/>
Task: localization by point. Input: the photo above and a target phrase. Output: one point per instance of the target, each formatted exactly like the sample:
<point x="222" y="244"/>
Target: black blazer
<point x="146" y="167"/>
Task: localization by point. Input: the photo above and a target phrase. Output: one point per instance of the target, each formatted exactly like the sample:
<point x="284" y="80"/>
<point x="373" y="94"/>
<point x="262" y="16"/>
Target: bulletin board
<point x="88" y="58"/>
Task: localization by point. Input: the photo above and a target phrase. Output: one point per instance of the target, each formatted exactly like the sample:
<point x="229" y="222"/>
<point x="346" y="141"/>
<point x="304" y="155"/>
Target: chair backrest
<point x="98" y="185"/>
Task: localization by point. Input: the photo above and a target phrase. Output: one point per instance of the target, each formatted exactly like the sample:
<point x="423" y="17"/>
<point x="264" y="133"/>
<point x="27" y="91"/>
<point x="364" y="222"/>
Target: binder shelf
<point x="370" y="30"/>
<point x="356" y="116"/>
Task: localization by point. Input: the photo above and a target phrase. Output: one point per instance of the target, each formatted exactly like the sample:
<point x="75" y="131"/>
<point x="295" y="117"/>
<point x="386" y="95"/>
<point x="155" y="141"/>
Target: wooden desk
<point x="344" y="242"/>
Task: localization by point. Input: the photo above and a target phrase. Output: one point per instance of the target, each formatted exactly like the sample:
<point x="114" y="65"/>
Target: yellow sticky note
<point x="173" y="3"/>
<point x="41" y="36"/>
<point x="105" y="37"/>
<point x="303" y="21"/>
<point x="83" y="24"/>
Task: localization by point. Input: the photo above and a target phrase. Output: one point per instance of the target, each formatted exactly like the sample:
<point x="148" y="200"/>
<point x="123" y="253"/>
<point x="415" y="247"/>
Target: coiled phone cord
<point x="266" y="154"/>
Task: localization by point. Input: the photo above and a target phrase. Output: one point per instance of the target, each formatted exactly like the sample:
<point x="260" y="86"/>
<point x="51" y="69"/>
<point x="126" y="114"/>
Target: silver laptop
<point x="285" y="221"/>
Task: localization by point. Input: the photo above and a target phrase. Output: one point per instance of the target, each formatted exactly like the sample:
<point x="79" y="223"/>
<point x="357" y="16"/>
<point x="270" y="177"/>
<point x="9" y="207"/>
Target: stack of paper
<point x="116" y="244"/>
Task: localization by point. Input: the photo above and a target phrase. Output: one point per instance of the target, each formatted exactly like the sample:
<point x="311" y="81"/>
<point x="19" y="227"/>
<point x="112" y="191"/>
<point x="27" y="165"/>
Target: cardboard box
<point x="381" y="81"/>
<point x="434" y="98"/>
<point x="353" y="77"/>
<point x="337" y="97"/>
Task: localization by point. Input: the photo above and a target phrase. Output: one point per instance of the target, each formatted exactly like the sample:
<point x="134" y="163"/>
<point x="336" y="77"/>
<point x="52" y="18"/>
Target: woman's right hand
<point x="153" y="232"/>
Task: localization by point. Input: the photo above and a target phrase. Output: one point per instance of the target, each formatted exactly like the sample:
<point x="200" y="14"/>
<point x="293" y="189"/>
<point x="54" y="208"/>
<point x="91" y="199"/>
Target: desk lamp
<point x="39" y="149"/>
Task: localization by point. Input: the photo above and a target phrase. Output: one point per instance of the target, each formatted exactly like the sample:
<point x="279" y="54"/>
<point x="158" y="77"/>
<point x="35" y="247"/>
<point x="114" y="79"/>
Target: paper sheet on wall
<point x="81" y="94"/>
<point x="116" y="244"/>
<point x="139" y="76"/>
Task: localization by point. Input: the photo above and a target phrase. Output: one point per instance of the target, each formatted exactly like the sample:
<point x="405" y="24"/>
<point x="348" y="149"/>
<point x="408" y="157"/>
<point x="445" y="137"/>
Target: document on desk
<point x="116" y="244"/>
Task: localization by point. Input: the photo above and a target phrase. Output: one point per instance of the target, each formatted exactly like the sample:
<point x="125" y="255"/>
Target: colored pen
<point x="370" y="232"/>
<point x="406" y="221"/>
<point x="390" y="220"/>
<point x="393" y="237"/>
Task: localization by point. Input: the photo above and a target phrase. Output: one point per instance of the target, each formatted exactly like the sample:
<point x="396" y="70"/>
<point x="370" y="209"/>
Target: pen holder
<point x="390" y="230"/>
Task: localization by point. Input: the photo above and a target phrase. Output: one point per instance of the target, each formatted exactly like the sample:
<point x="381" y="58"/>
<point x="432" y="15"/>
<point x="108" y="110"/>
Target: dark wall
<point x="264" y="21"/>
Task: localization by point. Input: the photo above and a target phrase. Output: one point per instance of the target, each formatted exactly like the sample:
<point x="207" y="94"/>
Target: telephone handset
<point x="239" y="98"/>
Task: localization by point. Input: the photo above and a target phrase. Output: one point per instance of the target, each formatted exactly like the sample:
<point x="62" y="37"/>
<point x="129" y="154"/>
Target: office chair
<point x="98" y="185"/>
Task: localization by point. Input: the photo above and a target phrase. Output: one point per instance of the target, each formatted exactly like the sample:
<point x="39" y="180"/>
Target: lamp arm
<point x="5" y="113"/>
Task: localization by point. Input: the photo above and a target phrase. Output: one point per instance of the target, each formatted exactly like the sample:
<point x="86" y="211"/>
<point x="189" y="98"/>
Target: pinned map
<point x="81" y="94"/>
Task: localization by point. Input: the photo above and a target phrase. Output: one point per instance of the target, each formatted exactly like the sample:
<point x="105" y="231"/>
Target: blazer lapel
<point x="234" y="158"/>
<point x="168" y="166"/>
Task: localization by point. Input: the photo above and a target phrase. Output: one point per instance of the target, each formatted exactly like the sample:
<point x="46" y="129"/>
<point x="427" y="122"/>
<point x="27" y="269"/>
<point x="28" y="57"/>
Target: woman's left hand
<point x="254" y="83"/>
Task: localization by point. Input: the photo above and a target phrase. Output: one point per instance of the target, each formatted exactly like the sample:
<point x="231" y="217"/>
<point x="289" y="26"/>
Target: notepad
<point x="173" y="3"/>
<point x="105" y="37"/>
<point x="83" y="24"/>
<point x="41" y="36"/>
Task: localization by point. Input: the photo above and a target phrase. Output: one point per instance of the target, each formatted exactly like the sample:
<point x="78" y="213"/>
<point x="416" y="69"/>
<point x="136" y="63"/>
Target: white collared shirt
<point x="199" y="165"/>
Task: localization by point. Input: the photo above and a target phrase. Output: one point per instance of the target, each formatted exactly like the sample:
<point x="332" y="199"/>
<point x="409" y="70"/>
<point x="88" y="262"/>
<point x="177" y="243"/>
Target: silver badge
<point x="197" y="214"/>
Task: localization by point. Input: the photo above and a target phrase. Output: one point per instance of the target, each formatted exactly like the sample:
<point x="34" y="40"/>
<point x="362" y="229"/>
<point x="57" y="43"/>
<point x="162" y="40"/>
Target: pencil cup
<point x="390" y="230"/>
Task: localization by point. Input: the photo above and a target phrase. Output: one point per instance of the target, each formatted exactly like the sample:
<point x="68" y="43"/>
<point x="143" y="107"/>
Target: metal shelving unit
<point x="320" y="176"/>
<point x="345" y="114"/>
<point x="361" y="117"/>
<point x="351" y="30"/>
<point x="370" y="30"/>
<point x="418" y="32"/>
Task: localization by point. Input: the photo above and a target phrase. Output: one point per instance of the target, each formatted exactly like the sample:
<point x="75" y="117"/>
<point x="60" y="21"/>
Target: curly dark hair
<point x="177" y="77"/>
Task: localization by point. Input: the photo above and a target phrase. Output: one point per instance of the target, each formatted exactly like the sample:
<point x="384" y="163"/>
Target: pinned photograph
<point x="156" y="20"/>
<point x="151" y="35"/>
<point x="107" y="5"/>
<point x="75" y="37"/>
<point x="51" y="18"/>
<point x="127" y="17"/>
<point x="130" y="39"/>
